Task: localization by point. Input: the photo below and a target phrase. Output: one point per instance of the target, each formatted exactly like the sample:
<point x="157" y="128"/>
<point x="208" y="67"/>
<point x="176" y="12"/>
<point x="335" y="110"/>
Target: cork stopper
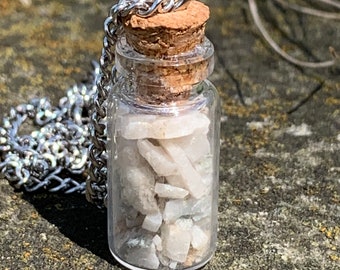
<point x="168" y="33"/>
<point x="176" y="53"/>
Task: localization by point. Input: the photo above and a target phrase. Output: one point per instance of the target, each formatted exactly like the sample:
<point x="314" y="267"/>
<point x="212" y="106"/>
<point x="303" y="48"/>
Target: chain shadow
<point x="77" y="219"/>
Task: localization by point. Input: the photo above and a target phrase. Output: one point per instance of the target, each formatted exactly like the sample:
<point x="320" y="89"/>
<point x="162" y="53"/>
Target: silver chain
<point x="70" y="145"/>
<point x="54" y="157"/>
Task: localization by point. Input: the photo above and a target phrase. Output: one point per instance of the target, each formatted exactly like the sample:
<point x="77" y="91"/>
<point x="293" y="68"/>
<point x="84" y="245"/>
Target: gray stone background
<point x="280" y="145"/>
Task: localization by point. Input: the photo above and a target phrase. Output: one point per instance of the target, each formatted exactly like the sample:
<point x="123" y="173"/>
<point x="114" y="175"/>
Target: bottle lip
<point x="201" y="53"/>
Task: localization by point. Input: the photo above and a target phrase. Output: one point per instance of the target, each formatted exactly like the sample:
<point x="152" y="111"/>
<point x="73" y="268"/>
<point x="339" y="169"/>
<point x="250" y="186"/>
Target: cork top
<point x="190" y="15"/>
<point x="168" y="33"/>
<point x="169" y="53"/>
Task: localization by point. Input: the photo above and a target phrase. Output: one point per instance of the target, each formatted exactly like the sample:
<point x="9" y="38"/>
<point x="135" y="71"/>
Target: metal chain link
<point x="54" y="157"/>
<point x="70" y="145"/>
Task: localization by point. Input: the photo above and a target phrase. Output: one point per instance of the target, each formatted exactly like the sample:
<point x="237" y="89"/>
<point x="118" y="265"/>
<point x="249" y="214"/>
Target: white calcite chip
<point x="152" y="222"/>
<point x="164" y="260"/>
<point x="137" y="126"/>
<point x="138" y="189"/>
<point x="132" y="219"/>
<point x="173" y="265"/>
<point x="205" y="168"/>
<point x="175" y="180"/>
<point x="197" y="209"/>
<point x="184" y="223"/>
<point x="169" y="191"/>
<point x="201" y="208"/>
<point x="130" y="155"/>
<point x="191" y="180"/>
<point x="200" y="239"/>
<point x="143" y="256"/>
<point x="157" y="240"/>
<point x="176" y="240"/>
<point x="174" y="209"/>
<point x="158" y="159"/>
<point x="195" y="146"/>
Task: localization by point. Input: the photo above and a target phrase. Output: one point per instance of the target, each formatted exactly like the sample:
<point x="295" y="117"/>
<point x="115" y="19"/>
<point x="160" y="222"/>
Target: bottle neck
<point x="197" y="99"/>
<point x="167" y="79"/>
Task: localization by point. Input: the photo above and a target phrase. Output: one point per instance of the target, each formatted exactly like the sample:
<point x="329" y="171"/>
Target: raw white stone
<point x="131" y="217"/>
<point x="174" y="209"/>
<point x="157" y="158"/>
<point x="164" y="260"/>
<point x="200" y="239"/>
<point x="175" y="180"/>
<point x="201" y="217"/>
<point x="185" y="223"/>
<point x="195" y="146"/>
<point x="197" y="209"/>
<point x="176" y="242"/>
<point x="134" y="126"/>
<point x="201" y="208"/>
<point x="129" y="155"/>
<point x="157" y="240"/>
<point x="195" y="256"/>
<point x="169" y="191"/>
<point x="143" y="256"/>
<point x="152" y="222"/>
<point x="140" y="126"/>
<point x="204" y="223"/>
<point x="173" y="265"/>
<point x="138" y="189"/>
<point x="205" y="168"/>
<point x="191" y="179"/>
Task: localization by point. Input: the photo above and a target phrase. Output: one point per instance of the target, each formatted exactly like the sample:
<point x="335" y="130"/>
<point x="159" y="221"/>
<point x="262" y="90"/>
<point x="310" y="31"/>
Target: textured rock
<point x="279" y="194"/>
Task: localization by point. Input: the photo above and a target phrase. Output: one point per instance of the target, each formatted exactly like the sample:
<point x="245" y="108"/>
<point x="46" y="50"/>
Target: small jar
<point x="163" y="164"/>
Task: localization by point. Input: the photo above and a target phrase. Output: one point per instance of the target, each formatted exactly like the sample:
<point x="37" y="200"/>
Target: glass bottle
<point x="163" y="165"/>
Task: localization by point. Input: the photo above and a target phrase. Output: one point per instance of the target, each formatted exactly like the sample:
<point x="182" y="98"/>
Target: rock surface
<point x="279" y="187"/>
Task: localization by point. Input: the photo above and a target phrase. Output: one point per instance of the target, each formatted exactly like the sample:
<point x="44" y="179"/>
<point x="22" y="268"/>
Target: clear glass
<point x="163" y="166"/>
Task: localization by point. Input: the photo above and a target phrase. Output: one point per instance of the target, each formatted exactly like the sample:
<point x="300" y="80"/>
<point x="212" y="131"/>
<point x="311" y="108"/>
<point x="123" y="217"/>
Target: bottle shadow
<point x="77" y="219"/>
